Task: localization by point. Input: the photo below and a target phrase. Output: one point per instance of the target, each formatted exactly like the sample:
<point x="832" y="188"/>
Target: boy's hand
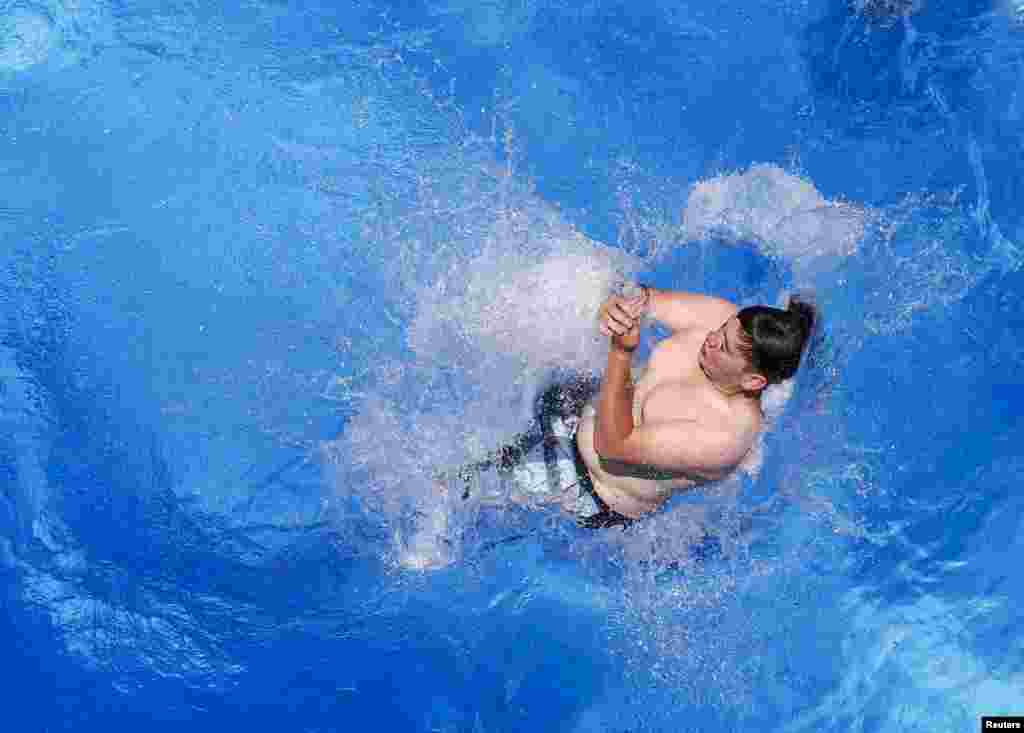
<point x="619" y="318"/>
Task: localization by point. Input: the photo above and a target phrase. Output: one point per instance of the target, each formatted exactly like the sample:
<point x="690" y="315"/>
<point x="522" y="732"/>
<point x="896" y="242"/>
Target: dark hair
<point x="775" y="338"/>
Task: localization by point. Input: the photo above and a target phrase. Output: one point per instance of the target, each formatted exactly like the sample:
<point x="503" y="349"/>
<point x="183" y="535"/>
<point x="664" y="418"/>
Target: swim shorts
<point x="544" y="462"/>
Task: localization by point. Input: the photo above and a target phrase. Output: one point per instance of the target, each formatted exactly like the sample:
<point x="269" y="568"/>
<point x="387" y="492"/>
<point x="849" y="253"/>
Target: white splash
<point x="781" y="214"/>
<point x="508" y="303"/>
<point x="539" y="312"/>
<point x="487" y="330"/>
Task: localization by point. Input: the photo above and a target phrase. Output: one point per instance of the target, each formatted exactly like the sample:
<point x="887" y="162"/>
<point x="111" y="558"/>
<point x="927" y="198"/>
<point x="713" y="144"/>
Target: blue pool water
<point x="271" y="268"/>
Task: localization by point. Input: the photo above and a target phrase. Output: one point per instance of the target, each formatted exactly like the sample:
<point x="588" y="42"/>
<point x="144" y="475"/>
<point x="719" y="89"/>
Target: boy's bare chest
<point x="673" y="387"/>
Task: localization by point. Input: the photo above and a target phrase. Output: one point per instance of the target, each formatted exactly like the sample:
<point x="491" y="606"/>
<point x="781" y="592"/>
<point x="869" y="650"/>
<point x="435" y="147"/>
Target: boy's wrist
<point x="647" y="293"/>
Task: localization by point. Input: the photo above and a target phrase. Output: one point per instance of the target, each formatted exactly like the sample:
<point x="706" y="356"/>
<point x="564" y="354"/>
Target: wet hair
<point x="774" y="338"/>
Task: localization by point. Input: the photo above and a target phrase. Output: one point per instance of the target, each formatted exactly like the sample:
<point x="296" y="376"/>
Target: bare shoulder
<point x="710" y="311"/>
<point x="681" y="310"/>
<point x="717" y="311"/>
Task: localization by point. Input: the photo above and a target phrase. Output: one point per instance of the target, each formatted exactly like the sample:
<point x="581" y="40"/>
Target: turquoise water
<point x="271" y="268"/>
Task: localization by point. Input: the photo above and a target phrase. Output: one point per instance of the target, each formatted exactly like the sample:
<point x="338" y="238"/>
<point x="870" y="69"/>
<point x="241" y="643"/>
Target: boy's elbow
<point x="605" y="450"/>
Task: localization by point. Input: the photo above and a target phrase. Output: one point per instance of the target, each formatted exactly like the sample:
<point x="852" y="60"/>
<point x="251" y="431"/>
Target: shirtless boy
<point x="695" y="412"/>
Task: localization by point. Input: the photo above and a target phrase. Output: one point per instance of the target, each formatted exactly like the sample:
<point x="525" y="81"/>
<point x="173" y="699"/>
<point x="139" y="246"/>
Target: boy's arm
<point x="677" y="446"/>
<point x="679" y="310"/>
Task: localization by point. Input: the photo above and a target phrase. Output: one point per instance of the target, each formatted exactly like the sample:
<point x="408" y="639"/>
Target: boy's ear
<point x="754" y="382"/>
